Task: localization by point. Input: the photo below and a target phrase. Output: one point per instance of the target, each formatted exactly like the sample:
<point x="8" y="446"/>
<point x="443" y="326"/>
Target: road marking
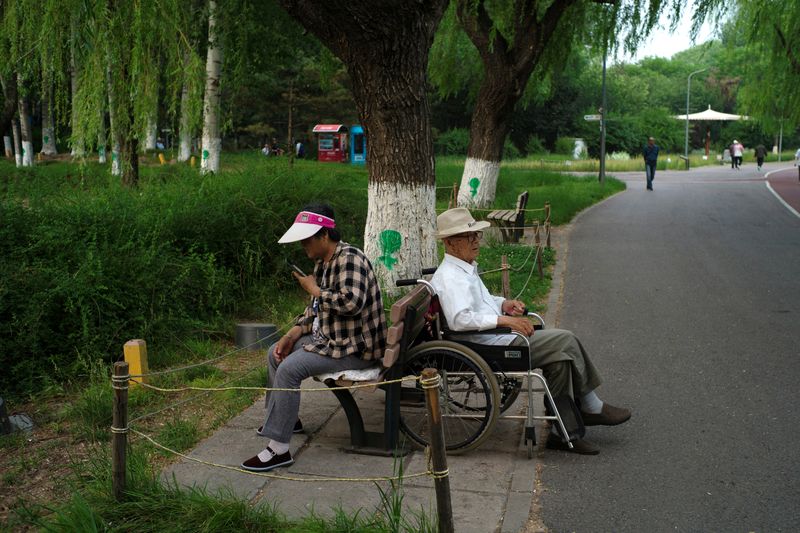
<point x="781" y="200"/>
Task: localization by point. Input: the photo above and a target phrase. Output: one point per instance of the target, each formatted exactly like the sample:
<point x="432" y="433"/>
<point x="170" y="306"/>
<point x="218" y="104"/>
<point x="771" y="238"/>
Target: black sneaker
<point x="298" y="428"/>
<point x="254" y="464"/>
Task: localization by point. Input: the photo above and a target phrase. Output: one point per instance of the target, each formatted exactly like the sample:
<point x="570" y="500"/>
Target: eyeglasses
<point x="472" y="237"/>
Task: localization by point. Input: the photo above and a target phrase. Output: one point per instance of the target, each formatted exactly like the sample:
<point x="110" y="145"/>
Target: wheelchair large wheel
<point x="469" y="396"/>
<point x="509" y="391"/>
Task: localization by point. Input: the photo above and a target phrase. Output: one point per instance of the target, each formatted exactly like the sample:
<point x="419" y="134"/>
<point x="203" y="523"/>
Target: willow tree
<point x="212" y="139"/>
<point x="384" y="46"/>
<point x="514" y="40"/>
<point x="771" y="29"/>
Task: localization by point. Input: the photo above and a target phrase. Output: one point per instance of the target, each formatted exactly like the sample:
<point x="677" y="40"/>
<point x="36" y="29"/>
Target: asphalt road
<point x="688" y="298"/>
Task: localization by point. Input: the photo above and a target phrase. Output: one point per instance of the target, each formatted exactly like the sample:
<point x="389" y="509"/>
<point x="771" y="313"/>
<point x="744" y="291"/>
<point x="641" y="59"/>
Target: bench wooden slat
<point x="398" y="311"/>
<point x="391" y="355"/>
<point x="394" y="334"/>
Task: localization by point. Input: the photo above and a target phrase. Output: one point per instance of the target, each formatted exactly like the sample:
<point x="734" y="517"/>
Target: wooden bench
<point x="511" y="221"/>
<point x="408" y="320"/>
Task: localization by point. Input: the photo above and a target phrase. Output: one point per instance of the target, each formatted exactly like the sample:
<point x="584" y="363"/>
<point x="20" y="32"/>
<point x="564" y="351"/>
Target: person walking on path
<point x="650" y="153"/>
<point x="343" y="328"/>
<point x="737" y="151"/>
<point x="761" y="153"/>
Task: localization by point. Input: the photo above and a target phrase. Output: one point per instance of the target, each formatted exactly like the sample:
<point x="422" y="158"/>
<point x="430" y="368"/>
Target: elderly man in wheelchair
<point x="467" y="306"/>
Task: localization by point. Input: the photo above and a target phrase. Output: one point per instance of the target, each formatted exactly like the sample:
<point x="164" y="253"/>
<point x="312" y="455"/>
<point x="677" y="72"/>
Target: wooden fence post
<point x="119" y="428"/>
<point x="539" y="259"/>
<point x="505" y="276"/>
<point x="547" y="221"/>
<point x="441" y="480"/>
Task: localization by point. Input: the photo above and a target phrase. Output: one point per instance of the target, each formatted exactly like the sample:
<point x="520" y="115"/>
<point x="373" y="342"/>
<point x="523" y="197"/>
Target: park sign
<point x="591" y="118"/>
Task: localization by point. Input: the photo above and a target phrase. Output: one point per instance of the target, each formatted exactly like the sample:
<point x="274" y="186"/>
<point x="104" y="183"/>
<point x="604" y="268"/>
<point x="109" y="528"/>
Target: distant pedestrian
<point x="761" y="153"/>
<point x="650" y="153"/>
<point x="737" y="151"/>
<point x="300" y="149"/>
<point x="797" y="162"/>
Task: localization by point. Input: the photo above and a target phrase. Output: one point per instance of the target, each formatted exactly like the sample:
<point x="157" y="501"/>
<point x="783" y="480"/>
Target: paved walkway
<point x="496" y="488"/>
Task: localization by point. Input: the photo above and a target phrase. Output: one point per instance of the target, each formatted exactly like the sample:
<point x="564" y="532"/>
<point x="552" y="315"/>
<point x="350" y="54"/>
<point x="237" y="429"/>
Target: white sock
<point x="591" y="403"/>
<point x="279" y="447"/>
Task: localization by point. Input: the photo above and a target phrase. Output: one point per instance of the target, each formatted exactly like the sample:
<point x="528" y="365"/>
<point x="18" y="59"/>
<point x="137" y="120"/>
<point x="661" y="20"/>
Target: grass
<point x="75" y="415"/>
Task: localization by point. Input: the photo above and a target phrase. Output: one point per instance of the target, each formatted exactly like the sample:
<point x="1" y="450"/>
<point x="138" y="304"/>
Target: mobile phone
<point x="296" y="268"/>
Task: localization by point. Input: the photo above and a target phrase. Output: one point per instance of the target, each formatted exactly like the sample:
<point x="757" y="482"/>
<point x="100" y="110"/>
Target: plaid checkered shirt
<point x="350" y="309"/>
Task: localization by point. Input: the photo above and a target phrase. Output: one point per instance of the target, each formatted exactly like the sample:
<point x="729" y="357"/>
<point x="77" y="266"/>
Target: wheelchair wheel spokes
<point x="468" y="395"/>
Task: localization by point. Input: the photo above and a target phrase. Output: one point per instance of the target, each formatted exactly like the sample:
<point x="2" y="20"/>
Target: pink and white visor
<point x="305" y="225"/>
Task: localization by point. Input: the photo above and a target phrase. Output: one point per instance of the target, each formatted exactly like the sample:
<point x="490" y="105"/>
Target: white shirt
<point x="465" y="300"/>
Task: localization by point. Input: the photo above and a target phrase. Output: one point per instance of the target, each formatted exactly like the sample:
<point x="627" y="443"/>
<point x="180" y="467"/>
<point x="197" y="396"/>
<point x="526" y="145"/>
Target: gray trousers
<point x="283" y="407"/>
<point x="565" y="364"/>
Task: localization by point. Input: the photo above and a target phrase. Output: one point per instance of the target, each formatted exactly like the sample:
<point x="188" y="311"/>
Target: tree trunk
<point x="7" y="146"/>
<point x="212" y="142"/>
<point x="185" y="150"/>
<point x="129" y="162"/>
<point x="17" y="142"/>
<point x="116" y="167"/>
<point x="507" y="69"/>
<point x="48" y="124"/>
<point x="9" y="86"/>
<point x="385" y="49"/>
<point x="152" y="131"/>
<point x="489" y="127"/>
<point x="78" y="144"/>
<point x="25" y="127"/>
<point x="101" y="139"/>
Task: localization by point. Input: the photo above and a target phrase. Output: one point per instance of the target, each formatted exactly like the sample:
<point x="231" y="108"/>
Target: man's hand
<point x="513" y="307"/>
<point x="308" y="283"/>
<point x="517" y="323"/>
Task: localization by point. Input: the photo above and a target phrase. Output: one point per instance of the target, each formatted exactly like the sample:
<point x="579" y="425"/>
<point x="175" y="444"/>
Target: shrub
<point x="535" y="146"/>
<point x="452" y="142"/>
<point x="565" y="145"/>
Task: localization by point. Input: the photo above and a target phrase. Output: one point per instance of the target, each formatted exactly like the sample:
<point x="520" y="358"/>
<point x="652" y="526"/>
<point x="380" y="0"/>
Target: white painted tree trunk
<point x="48" y="128"/>
<point x="478" y="183"/>
<point x="212" y="142"/>
<point x="101" y="139"/>
<point x="8" y="147"/>
<point x="116" y="168"/>
<point x="17" y="142"/>
<point x="185" y="150"/>
<point x="25" y="127"/>
<point x="152" y="131"/>
<point x="409" y="210"/>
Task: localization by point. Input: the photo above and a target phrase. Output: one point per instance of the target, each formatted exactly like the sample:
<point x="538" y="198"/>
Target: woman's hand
<point x="308" y="283"/>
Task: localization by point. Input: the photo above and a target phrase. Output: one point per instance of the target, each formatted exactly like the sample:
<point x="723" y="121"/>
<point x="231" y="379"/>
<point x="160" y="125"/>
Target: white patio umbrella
<point x="710" y="115"/>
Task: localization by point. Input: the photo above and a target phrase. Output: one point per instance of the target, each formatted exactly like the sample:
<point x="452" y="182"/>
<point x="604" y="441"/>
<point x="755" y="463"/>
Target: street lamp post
<point x="602" y="176"/>
<point x="688" y="89"/>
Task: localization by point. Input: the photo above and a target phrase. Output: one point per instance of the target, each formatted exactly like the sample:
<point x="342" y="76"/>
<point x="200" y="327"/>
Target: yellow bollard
<point x="191" y="162"/>
<point x="136" y="357"/>
<point x="161" y="159"/>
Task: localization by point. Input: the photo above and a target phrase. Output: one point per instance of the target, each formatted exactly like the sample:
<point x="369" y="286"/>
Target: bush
<point x="452" y="142"/>
<point x="535" y="146"/>
<point x="510" y="151"/>
<point x="86" y="264"/>
<point x="565" y="145"/>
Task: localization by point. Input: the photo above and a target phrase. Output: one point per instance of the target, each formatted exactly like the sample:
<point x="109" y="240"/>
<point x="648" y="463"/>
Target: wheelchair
<point x="482" y="374"/>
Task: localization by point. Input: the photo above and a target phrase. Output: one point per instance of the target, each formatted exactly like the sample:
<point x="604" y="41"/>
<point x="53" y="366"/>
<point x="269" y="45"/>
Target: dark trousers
<point x="650" y="173"/>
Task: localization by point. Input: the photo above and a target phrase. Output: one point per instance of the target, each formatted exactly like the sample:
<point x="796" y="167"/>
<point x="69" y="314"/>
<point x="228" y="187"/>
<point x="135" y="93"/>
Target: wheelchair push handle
<point x="405" y="282"/>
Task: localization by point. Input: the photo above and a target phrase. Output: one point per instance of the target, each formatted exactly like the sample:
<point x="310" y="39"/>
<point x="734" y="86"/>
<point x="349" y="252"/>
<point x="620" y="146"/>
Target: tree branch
<point x="793" y="59"/>
<point x="478" y="26"/>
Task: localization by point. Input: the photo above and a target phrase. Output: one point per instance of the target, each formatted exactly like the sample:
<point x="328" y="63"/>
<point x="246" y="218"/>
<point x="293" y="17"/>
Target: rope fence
<point x="435" y="453"/>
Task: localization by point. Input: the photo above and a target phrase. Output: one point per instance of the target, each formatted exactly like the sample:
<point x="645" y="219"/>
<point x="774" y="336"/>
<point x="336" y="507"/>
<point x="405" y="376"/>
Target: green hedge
<point x="86" y="264"/>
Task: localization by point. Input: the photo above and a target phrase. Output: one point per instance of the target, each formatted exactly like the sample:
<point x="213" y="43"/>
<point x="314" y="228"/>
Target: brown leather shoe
<point x="580" y="446"/>
<point x="609" y="416"/>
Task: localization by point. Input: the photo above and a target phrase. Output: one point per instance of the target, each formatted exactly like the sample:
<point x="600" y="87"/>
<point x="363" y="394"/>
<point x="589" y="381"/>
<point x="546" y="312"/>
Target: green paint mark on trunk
<point x="390" y="242"/>
<point x="474" y="183"/>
